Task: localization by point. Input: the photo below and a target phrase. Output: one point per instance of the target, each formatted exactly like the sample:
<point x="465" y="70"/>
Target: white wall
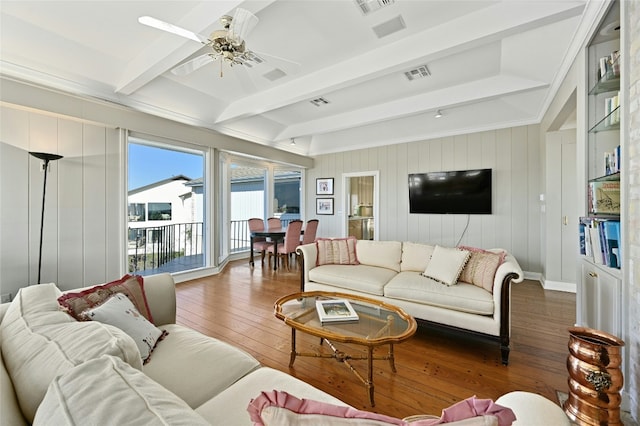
<point x="512" y="153"/>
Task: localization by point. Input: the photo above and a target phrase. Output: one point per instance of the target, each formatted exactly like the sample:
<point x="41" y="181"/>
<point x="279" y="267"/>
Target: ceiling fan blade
<point x="192" y="65"/>
<point x="246" y="81"/>
<point x="242" y="24"/>
<point x="165" y="26"/>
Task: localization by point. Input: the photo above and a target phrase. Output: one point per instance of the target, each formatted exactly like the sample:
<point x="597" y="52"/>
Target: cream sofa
<point x="196" y="378"/>
<point x="391" y="271"/>
<point x="56" y="370"/>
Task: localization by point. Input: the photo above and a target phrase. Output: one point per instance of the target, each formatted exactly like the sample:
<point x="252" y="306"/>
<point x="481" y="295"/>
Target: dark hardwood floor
<point x="435" y="368"/>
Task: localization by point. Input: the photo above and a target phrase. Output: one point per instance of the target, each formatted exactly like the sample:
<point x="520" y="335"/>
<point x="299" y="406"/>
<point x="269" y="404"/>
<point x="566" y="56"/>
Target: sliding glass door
<point x="166" y="207"/>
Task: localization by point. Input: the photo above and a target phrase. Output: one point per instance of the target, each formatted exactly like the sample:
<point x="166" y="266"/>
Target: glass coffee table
<point x="378" y="324"/>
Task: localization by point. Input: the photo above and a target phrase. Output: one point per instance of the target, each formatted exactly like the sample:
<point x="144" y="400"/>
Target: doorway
<point x="361" y="195"/>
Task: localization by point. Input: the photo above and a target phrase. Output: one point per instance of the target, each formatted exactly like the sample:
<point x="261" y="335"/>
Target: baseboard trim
<point x="559" y="286"/>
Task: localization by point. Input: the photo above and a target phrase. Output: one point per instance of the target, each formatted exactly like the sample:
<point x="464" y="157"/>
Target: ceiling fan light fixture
<point x="438" y="114"/>
<point x="293" y="142"/>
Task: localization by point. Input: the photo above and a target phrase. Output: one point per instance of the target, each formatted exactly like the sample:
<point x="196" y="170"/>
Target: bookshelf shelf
<point x="607" y="123"/>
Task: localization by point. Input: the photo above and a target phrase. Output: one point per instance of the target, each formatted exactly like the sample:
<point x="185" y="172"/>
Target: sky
<point x="148" y="164"/>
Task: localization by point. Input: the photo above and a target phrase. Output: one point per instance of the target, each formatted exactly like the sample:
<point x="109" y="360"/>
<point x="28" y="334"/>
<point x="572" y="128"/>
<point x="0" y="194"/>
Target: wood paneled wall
<point x="83" y="236"/>
<point x="512" y="153"/>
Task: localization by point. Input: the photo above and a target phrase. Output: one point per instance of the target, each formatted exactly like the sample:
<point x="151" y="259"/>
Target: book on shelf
<point x="609" y="66"/>
<point x="612" y="161"/>
<point x="600" y="241"/>
<point x="335" y="310"/>
<point x="604" y="197"/>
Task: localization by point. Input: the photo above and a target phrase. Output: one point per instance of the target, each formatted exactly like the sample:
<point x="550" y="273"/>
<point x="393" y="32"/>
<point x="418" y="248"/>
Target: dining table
<point x="274" y="234"/>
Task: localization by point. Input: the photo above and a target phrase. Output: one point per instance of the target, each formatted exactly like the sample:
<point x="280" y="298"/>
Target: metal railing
<point x="150" y="248"/>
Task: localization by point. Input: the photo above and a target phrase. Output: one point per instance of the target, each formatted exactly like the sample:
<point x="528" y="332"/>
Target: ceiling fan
<point x="227" y="45"/>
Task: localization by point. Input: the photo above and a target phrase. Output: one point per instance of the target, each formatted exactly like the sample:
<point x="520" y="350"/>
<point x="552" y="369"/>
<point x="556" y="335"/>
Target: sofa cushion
<point x="336" y="251"/>
<point x="196" y="367"/>
<point x="132" y="286"/>
<point x="118" y="311"/>
<point x="415" y="256"/>
<point x="462" y="297"/>
<point x="446" y="264"/>
<point x="40" y="342"/>
<point x="10" y="413"/>
<point x="230" y="407"/>
<point x="385" y="254"/>
<point x="107" y="391"/>
<point x="481" y="267"/>
<point x="364" y="278"/>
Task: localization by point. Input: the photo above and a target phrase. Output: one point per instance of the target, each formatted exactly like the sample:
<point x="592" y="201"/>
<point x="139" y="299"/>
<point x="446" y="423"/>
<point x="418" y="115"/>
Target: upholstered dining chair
<point x="291" y="242"/>
<point x="260" y="244"/>
<point x="274" y="222"/>
<point x="310" y="230"/>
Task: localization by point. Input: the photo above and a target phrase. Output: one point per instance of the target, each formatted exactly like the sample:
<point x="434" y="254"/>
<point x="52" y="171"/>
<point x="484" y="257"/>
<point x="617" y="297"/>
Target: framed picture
<point x="324" y="205"/>
<point x="324" y="186"/>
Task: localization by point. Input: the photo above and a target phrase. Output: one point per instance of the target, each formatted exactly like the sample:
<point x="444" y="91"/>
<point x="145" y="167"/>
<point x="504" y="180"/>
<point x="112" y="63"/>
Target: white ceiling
<point x="493" y="64"/>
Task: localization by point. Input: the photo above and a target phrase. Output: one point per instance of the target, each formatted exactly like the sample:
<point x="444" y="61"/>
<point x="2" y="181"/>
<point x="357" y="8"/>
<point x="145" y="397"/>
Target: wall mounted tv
<point x="453" y="192"/>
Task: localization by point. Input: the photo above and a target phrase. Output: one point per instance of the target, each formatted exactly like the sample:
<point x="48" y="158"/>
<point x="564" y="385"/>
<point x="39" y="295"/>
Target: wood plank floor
<point x="435" y="368"/>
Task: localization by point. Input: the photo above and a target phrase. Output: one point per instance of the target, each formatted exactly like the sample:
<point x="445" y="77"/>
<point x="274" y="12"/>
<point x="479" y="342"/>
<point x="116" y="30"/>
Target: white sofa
<point x="391" y="271"/>
<point x="56" y="370"/>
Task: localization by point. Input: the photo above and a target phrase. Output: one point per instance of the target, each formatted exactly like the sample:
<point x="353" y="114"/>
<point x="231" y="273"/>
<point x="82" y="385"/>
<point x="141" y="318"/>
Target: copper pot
<point x="595" y="377"/>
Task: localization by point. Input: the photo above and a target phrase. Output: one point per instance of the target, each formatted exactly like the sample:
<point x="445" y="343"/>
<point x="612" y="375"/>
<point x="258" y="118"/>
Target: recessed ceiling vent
<point x="389" y="27"/>
<point x="416" y="73"/>
<point x="319" y="101"/>
<point x="368" y="6"/>
<point x="274" y="74"/>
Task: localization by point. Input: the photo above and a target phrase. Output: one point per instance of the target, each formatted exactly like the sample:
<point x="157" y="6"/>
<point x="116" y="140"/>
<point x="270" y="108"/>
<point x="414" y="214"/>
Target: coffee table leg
<point x="370" y="379"/>
<point x="292" y="357"/>
<point x="392" y="360"/>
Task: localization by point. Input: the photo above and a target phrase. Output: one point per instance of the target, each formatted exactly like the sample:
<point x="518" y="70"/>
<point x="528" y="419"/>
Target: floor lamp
<point x="46" y="157"/>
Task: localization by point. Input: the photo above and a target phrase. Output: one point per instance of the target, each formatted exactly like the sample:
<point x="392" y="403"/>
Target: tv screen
<point x="454" y="192"/>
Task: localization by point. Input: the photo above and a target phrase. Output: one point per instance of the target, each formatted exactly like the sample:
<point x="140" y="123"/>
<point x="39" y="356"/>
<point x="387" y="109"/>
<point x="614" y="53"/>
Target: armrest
<point x="160" y="291"/>
<point x="309" y="253"/>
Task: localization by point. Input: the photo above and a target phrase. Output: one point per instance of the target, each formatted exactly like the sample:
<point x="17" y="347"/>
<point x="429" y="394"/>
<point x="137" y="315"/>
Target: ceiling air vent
<point x="389" y="27"/>
<point x="416" y="73"/>
<point x="319" y="101"/>
<point x="274" y="74"/>
<point x="368" y="6"/>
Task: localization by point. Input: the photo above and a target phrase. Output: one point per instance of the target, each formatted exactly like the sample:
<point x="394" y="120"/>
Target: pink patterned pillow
<point x="336" y="251"/>
<point x="131" y="286"/>
<point x="481" y="268"/>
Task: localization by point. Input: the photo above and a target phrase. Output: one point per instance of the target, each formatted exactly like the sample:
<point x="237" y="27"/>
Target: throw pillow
<point x="282" y="408"/>
<point x="131" y="286"/>
<point x="107" y="391"/>
<point x="118" y="311"/>
<point x="446" y="264"/>
<point x="336" y="251"/>
<point x="481" y="268"/>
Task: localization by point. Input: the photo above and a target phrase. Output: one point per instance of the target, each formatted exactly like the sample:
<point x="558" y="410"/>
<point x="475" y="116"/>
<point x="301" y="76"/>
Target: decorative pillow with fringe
<point x="446" y="264"/>
<point x="336" y="251"/>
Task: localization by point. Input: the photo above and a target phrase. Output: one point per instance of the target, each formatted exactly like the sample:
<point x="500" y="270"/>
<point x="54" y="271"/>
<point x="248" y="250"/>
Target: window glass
<point x="159" y="211"/>
<point x="137" y="212"/>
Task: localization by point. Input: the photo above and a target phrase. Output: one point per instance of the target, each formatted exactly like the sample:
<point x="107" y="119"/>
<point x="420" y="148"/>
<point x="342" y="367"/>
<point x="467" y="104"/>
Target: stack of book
<point x="612" y="110"/>
<point x="612" y="161"/>
<point x="600" y="240"/>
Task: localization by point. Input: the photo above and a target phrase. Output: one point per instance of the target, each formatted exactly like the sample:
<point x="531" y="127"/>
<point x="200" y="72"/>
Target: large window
<point x="165" y="207"/>
<point x="287" y="191"/>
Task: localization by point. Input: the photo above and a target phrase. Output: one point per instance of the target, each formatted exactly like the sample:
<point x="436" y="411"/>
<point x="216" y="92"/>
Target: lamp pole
<point x="46" y="157"/>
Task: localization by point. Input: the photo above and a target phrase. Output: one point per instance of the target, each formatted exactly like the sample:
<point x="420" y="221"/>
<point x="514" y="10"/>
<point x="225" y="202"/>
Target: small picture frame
<point x="324" y="205"/>
<point x="324" y="186"/>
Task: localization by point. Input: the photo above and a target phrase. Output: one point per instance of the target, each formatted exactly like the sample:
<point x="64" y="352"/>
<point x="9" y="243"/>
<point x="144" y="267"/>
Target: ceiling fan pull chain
<point x="221" y="66"/>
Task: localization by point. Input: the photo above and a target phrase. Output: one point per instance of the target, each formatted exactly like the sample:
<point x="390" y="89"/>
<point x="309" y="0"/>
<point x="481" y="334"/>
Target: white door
<point x="569" y="229"/>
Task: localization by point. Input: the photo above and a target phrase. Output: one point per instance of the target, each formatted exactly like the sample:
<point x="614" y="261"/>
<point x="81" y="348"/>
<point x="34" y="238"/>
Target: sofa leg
<point x="504" y="353"/>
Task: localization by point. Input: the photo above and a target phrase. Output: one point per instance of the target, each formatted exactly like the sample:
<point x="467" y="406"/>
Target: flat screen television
<point x="453" y="192"/>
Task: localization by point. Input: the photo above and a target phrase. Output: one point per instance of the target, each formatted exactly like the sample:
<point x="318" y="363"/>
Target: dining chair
<point x="310" y="230"/>
<point x="290" y="244"/>
<point x="274" y="222"/>
<point x="260" y="244"/>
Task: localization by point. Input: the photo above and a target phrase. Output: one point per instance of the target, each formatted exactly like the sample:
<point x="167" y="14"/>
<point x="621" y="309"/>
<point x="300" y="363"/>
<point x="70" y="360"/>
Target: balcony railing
<point x="152" y="248"/>
<point x="178" y="247"/>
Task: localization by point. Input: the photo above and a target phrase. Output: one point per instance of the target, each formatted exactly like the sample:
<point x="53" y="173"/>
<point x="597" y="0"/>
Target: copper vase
<point x="595" y="377"/>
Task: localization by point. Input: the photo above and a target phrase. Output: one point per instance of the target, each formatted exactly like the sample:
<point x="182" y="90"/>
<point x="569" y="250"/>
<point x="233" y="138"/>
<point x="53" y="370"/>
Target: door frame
<point x="346" y="196"/>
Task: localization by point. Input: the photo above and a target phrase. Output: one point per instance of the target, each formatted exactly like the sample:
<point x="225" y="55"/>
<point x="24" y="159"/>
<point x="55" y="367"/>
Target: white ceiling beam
<point x="476" y="91"/>
<point x="485" y="26"/>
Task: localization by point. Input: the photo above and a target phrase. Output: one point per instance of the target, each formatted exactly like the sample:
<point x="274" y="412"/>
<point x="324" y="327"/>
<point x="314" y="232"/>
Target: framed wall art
<point x="324" y="205"/>
<point x="324" y="186"/>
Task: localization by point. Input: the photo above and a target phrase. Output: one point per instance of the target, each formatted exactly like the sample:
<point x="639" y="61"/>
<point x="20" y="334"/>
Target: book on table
<point x="335" y="310"/>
